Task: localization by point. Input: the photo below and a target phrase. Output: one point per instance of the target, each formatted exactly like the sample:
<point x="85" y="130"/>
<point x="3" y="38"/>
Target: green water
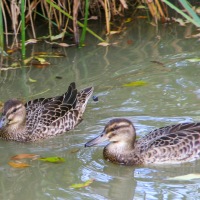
<point x="171" y="95"/>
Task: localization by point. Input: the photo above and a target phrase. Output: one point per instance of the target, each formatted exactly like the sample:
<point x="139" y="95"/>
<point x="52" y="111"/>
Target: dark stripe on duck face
<point x="13" y="110"/>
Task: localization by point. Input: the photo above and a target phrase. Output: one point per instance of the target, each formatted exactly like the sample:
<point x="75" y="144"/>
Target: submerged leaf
<point x="135" y="84"/>
<point x="24" y="156"/>
<point x="75" y="150"/>
<point x="185" y="177"/>
<point x="32" y="80"/>
<point x="18" y="164"/>
<point x="53" y="159"/>
<point x="81" y="185"/>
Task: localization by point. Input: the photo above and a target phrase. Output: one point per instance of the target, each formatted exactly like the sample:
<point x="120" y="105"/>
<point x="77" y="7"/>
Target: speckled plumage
<point x="171" y="144"/>
<point x="44" y="117"/>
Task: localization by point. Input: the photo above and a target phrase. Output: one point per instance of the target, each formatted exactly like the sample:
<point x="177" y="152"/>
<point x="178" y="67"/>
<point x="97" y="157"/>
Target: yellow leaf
<point x="135" y="84"/>
<point x="104" y="44"/>
<point x="31" y="41"/>
<point x="18" y="164"/>
<point x="53" y="159"/>
<point x="114" y="32"/>
<point x="193" y="60"/>
<point x="128" y="20"/>
<point x="23" y="156"/>
<point x="61" y="35"/>
<point x="32" y="80"/>
<point x="28" y="60"/>
<point x="81" y="185"/>
<point x="185" y="177"/>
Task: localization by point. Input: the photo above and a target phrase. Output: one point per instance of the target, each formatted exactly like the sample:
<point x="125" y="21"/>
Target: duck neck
<point x="121" y="153"/>
<point x="14" y="132"/>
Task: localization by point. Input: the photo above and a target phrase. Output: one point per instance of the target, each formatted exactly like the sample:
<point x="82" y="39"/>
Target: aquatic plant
<point x="66" y="16"/>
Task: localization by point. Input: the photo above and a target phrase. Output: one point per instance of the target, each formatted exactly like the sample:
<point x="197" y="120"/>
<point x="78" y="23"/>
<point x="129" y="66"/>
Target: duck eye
<point x="14" y="110"/>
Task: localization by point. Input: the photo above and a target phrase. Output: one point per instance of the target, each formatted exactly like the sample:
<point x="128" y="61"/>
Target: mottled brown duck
<point x="171" y="144"/>
<point x="44" y="117"/>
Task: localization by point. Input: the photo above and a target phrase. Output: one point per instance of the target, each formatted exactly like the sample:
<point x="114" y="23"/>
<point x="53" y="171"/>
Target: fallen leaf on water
<point x="104" y="44"/>
<point x="24" y="156"/>
<point x="31" y="80"/>
<point x="55" y="37"/>
<point x="18" y="164"/>
<point x="75" y="150"/>
<point x="135" y="84"/>
<point x="115" y="32"/>
<point x="81" y="185"/>
<point x="128" y="20"/>
<point x="31" y="41"/>
<point x="62" y="44"/>
<point x="180" y="21"/>
<point x="53" y="159"/>
<point x="185" y="177"/>
<point x="193" y="60"/>
<point x="49" y="54"/>
<point x="26" y="61"/>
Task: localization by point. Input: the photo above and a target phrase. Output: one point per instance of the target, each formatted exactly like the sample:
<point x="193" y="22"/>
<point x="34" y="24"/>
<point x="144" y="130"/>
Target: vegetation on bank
<point x="67" y="18"/>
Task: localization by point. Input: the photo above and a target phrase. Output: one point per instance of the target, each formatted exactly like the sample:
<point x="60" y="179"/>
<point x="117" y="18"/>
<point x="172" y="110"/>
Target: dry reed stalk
<point x="5" y="21"/>
<point x="160" y="9"/>
<point x="153" y="10"/>
<point x="75" y="15"/>
<point x="15" y="12"/>
<point x="107" y="15"/>
<point x="30" y="8"/>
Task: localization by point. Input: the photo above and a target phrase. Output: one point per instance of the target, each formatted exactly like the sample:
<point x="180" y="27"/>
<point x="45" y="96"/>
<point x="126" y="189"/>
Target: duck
<point x="173" y="144"/>
<point x="43" y="117"/>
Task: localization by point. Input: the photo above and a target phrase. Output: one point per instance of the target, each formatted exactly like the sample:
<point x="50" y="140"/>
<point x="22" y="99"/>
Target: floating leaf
<point x="61" y="35"/>
<point x="81" y="185"/>
<point x="32" y="80"/>
<point x="135" y="84"/>
<point x="180" y="21"/>
<point x="31" y="41"/>
<point x="141" y="7"/>
<point x="62" y="44"/>
<point x="128" y="20"/>
<point x="49" y="54"/>
<point x="104" y="44"/>
<point x="115" y="32"/>
<point x="24" y="156"/>
<point x="193" y="60"/>
<point x="26" y="61"/>
<point x="53" y="159"/>
<point x="185" y="177"/>
<point x="18" y="164"/>
<point x="75" y="150"/>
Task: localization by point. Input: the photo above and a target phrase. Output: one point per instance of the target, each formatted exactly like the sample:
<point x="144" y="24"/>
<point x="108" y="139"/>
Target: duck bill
<point x="2" y="122"/>
<point x="98" y="140"/>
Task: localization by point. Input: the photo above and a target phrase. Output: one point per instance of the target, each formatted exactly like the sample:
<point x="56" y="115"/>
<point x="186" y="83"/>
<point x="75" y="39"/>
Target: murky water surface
<point x="171" y="95"/>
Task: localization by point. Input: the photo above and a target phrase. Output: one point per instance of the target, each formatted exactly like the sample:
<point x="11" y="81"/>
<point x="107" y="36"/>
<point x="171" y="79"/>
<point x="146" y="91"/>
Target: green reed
<point x="195" y="18"/>
<point x="70" y="17"/>
<point x="82" y="39"/>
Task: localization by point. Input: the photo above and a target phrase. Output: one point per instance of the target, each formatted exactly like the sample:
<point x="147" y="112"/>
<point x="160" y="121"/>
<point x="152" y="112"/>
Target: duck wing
<point x="43" y="112"/>
<point x="179" y="146"/>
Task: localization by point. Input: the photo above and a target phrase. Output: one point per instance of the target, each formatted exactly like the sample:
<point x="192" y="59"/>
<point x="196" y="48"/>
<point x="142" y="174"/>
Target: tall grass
<point x="60" y="13"/>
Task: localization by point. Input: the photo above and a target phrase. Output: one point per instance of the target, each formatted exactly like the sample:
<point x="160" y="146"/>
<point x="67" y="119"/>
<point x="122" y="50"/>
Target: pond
<point x="171" y="94"/>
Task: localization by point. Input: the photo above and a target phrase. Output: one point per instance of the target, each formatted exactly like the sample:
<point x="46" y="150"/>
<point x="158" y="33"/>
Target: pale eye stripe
<point x="12" y="110"/>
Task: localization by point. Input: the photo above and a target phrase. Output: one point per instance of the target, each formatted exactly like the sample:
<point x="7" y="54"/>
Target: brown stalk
<point x="75" y="15"/>
<point x="31" y="19"/>
<point x="107" y="15"/>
